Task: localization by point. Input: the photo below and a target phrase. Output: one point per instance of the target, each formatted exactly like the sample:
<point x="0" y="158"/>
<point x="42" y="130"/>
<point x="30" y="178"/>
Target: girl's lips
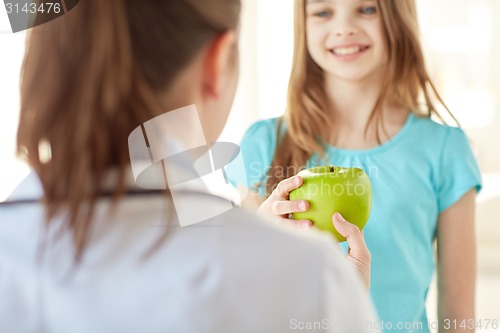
<point x="349" y="53"/>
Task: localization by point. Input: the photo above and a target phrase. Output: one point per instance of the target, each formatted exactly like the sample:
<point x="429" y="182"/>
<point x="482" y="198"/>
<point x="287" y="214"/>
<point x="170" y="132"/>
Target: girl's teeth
<point x="347" y="50"/>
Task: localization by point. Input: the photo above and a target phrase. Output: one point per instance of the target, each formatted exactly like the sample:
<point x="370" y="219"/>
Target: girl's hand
<point x="279" y="205"/>
<point x="358" y="254"/>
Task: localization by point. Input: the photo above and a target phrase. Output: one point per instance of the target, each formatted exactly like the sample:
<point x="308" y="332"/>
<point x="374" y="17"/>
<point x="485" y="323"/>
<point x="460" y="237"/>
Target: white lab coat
<point x="237" y="272"/>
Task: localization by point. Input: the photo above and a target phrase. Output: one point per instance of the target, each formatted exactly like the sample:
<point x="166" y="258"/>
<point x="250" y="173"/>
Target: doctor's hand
<point x="358" y="254"/>
<point x="279" y="205"/>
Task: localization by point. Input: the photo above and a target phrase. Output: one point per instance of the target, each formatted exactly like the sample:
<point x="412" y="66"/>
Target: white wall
<point x="246" y="102"/>
<point x="11" y="51"/>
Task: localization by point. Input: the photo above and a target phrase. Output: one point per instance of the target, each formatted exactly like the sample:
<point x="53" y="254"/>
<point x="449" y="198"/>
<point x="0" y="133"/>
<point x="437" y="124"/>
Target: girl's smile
<point x="349" y="52"/>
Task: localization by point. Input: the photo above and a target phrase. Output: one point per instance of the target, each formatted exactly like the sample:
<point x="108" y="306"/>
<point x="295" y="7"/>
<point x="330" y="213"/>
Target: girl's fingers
<point x="288" y="207"/>
<point x="286" y="186"/>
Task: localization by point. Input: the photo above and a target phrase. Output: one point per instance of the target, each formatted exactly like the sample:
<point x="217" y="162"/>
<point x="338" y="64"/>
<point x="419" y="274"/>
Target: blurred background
<point x="461" y="40"/>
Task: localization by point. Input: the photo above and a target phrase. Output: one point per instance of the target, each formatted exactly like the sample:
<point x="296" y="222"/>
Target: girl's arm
<point x="456" y="255"/>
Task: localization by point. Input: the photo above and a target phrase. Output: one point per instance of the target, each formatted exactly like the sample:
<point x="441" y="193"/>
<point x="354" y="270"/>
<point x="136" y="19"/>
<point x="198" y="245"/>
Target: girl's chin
<point x="351" y="77"/>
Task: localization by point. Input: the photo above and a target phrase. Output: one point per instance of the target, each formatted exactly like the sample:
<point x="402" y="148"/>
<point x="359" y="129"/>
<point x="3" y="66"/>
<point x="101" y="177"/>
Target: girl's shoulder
<point x="426" y="129"/>
<point x="264" y="130"/>
<point x="448" y="146"/>
<point x="266" y="125"/>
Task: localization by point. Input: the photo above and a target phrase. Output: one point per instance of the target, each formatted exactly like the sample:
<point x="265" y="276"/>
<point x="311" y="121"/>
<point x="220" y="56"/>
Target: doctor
<point x="83" y="249"/>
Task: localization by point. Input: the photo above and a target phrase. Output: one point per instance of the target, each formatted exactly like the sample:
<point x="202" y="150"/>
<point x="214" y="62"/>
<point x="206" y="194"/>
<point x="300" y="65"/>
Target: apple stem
<point x="332" y="169"/>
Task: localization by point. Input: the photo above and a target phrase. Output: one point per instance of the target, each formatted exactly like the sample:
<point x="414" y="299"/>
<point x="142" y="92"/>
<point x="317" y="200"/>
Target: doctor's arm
<point x="456" y="255"/>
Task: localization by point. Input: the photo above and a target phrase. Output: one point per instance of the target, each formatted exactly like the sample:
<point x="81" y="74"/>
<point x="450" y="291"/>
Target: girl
<point x="359" y="95"/>
<point x="89" y="79"/>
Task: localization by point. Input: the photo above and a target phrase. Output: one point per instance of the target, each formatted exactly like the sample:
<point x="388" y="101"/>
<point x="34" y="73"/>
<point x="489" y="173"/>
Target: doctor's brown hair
<point x="306" y="118"/>
<point x="93" y="75"/>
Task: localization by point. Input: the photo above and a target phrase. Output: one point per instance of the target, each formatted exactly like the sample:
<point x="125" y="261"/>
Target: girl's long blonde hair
<point x="306" y="120"/>
<point x="93" y="75"/>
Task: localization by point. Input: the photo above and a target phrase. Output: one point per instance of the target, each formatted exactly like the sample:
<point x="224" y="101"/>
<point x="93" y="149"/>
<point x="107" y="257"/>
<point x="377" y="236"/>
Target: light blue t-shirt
<point x="424" y="169"/>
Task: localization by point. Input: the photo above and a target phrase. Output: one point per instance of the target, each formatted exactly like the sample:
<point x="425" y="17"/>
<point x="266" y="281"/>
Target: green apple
<point x="330" y="189"/>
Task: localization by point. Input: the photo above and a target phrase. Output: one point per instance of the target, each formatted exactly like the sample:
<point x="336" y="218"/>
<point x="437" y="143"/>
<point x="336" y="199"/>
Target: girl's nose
<point x="345" y="31"/>
<point x="344" y="27"/>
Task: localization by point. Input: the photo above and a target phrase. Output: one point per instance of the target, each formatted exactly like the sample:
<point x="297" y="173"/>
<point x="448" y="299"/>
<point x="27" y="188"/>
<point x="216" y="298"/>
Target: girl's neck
<point x="350" y="105"/>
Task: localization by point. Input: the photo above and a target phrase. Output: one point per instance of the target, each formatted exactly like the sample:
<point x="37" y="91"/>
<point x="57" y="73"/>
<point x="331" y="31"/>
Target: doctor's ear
<point x="220" y="62"/>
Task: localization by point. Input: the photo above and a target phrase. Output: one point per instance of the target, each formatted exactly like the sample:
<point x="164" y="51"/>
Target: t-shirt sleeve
<point x="459" y="171"/>
<point x="257" y="147"/>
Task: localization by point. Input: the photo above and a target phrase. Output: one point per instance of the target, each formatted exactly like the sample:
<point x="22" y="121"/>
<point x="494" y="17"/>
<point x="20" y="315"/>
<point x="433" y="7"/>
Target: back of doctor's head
<point x="93" y="75"/>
